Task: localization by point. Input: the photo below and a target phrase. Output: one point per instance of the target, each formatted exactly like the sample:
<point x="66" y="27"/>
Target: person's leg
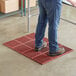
<point x="53" y="12"/>
<point x="42" y="22"/>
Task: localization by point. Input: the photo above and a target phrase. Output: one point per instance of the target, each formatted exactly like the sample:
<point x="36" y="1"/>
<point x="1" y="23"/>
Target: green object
<point x="2" y="15"/>
<point x="24" y="7"/>
<point x="21" y="7"/>
<point x="22" y="10"/>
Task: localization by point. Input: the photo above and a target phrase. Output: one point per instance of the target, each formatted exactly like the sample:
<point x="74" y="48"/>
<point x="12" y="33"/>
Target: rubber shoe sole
<point x="59" y="52"/>
<point x="44" y="45"/>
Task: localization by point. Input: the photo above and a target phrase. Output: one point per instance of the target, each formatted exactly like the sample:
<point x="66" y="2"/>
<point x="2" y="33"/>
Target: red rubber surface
<point x="25" y="45"/>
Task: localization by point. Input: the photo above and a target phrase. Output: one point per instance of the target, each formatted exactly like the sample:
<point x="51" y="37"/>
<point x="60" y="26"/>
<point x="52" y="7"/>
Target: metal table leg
<point x="28" y="16"/>
<point x="24" y="7"/>
<point x="21" y="7"/>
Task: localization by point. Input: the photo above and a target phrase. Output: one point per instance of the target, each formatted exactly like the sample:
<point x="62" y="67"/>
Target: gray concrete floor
<point x="14" y="64"/>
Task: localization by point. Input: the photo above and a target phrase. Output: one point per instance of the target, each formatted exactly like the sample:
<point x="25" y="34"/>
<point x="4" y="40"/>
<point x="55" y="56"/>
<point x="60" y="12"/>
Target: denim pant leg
<point x="41" y="26"/>
<point x="53" y="12"/>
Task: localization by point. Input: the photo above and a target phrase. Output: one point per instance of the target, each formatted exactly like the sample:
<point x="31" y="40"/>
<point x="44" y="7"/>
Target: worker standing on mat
<point x="50" y="11"/>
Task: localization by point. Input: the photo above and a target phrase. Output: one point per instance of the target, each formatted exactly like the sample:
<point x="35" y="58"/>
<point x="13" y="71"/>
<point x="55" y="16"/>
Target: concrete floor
<point x="14" y="64"/>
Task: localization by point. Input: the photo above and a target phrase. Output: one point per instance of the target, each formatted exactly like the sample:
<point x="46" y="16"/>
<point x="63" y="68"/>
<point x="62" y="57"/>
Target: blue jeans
<point x="50" y="11"/>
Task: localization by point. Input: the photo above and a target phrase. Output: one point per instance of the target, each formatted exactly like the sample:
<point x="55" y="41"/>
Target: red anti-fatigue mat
<point x="25" y="46"/>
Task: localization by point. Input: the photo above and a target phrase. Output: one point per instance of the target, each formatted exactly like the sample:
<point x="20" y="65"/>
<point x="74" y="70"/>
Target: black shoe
<point x="59" y="52"/>
<point x="40" y="48"/>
